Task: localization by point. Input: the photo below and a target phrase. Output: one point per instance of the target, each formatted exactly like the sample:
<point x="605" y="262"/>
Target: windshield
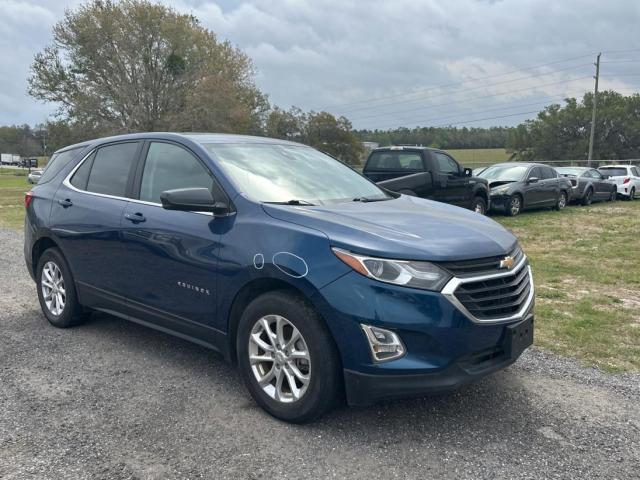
<point x="504" y="173"/>
<point x="294" y="174"/>
<point x="613" y="171"/>
<point x="570" y="171"/>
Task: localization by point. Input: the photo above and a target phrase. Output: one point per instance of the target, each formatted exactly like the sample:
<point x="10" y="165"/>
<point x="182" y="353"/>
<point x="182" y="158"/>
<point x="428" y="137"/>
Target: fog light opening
<point x="385" y="345"/>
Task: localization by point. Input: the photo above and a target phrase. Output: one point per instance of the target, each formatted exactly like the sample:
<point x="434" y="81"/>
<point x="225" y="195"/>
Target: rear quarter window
<point x="56" y="163"/>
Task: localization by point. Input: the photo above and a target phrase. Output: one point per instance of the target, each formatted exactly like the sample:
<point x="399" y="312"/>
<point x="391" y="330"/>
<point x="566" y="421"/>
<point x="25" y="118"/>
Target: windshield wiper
<point x="371" y="199"/>
<point x="293" y="201"/>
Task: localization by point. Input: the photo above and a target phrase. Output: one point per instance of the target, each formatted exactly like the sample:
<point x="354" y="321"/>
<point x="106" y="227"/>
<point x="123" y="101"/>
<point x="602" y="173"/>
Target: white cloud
<point x="319" y="53"/>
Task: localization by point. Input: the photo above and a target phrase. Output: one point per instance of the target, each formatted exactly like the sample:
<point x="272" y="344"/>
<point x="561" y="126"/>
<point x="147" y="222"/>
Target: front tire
<point x="56" y="290"/>
<point x="614" y="195"/>
<point x="479" y="205"/>
<point x="588" y="197"/>
<point x="515" y="206"/>
<point x="287" y="357"/>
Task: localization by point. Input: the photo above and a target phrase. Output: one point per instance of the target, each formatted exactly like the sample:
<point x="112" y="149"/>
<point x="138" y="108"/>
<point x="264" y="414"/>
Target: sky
<point x="386" y="64"/>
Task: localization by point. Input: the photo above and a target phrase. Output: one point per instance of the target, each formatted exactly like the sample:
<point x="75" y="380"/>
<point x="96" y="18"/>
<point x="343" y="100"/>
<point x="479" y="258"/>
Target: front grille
<point x="480" y="266"/>
<point x="496" y="297"/>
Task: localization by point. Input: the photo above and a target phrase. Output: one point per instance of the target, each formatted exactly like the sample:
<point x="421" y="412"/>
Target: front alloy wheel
<point x="287" y="357"/>
<point x="515" y="205"/>
<point x="279" y="358"/>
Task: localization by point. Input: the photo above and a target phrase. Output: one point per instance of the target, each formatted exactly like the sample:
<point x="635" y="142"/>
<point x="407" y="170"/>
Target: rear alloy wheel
<point x="588" y="197"/>
<point x="287" y="357"/>
<point x="56" y="291"/>
<point x="515" y="206"/>
<point x="479" y="205"/>
<point x="562" y="201"/>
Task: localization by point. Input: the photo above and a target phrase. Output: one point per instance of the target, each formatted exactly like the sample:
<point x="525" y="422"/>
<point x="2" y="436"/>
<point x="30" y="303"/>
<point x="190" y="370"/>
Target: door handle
<point x="65" y="203"/>
<point x="135" y="217"/>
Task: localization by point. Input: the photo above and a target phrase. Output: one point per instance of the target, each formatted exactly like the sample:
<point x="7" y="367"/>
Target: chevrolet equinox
<point x="316" y="282"/>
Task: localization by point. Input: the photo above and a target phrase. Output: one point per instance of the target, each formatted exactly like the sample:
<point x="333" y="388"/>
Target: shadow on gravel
<point x="493" y="406"/>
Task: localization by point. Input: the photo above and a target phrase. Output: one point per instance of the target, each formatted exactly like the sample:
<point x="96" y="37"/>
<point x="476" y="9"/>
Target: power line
<point x="454" y="84"/>
<point x="548" y="100"/>
<point x="532" y="87"/>
<point x="487" y="118"/>
<point x="469" y="89"/>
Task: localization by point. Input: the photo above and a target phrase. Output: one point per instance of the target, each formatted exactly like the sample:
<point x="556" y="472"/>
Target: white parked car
<point x="626" y="177"/>
<point x="34" y="176"/>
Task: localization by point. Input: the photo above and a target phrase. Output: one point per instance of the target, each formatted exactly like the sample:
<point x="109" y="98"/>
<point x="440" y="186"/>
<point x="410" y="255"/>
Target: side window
<point x="595" y="174"/>
<point x="446" y="164"/>
<point x="168" y="167"/>
<point x="81" y="177"/>
<point x="547" y="173"/>
<point x="110" y="170"/>
<point x="635" y="171"/>
<point x="535" y="172"/>
<point x="57" y="162"/>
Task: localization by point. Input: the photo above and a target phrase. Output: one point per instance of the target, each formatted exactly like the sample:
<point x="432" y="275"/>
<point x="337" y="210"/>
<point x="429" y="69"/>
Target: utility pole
<point x="593" y="113"/>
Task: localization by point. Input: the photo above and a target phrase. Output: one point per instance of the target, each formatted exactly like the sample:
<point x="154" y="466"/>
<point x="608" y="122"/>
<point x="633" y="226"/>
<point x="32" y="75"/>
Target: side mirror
<point x="193" y="200"/>
<point x="533" y="180"/>
<point x="468" y="172"/>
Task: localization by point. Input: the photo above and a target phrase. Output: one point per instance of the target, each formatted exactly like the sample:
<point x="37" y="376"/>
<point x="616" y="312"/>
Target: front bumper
<point x="500" y="202"/>
<point x="364" y="389"/>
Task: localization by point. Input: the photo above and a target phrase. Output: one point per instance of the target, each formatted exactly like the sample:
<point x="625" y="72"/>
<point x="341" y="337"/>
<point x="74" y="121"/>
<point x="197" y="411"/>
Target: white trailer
<point x="9" y="159"/>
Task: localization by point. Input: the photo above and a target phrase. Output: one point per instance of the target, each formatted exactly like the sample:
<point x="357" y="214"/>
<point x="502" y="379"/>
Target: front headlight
<point x="500" y="190"/>
<point x="415" y="274"/>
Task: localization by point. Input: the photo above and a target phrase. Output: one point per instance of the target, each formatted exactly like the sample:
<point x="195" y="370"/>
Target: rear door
<point x="550" y="185"/>
<point x="602" y="188"/>
<point x="534" y="191"/>
<point x="171" y="256"/>
<point x="86" y="218"/>
<point x="450" y="183"/>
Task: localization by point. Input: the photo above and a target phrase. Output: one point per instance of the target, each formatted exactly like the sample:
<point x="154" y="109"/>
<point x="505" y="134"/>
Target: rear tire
<point x="562" y="201"/>
<point x="57" y="292"/>
<point x="281" y="379"/>
<point x="632" y="193"/>
<point x="479" y="205"/>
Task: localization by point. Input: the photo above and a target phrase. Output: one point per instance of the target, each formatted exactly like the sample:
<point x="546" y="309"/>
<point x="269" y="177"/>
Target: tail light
<point x="28" y="198"/>
<point x="626" y="180"/>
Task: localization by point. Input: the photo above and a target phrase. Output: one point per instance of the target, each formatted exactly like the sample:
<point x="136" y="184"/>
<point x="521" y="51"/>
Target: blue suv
<point x="317" y="283"/>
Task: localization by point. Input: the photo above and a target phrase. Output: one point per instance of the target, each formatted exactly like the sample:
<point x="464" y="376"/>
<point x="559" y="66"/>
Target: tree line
<point x="134" y="65"/>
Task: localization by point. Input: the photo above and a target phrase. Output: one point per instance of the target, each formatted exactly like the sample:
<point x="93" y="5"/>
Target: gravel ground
<point x="114" y="400"/>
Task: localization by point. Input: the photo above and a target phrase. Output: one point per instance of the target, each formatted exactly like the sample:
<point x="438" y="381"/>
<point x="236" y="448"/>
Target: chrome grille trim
<point x="450" y="288"/>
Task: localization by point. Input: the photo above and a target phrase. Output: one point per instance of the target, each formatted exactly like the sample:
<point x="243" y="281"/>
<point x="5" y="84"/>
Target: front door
<point x="450" y="183"/>
<point x="172" y="256"/>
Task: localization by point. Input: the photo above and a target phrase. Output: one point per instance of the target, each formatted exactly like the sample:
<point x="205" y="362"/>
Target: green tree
<point x="135" y="65"/>
<point x="333" y="136"/>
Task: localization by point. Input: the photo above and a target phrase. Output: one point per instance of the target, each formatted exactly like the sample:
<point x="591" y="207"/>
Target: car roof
<point x="615" y="166"/>
<point x="576" y="168"/>
<point x="201" y="138"/>
<point x="399" y="148"/>
<point x="520" y="164"/>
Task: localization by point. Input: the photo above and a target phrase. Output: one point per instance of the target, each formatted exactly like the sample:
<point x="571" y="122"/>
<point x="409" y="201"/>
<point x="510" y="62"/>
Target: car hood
<point x="407" y="228"/>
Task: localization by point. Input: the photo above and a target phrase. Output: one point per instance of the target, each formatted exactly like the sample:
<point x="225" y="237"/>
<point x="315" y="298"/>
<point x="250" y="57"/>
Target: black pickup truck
<point x="427" y="173"/>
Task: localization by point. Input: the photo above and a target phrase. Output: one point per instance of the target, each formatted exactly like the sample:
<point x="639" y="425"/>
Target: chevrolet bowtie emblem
<point x="507" y="262"/>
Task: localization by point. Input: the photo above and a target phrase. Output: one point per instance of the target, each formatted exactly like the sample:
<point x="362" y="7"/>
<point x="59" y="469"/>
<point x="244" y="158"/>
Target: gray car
<point x="588" y="184"/>
<point x="34" y="176"/>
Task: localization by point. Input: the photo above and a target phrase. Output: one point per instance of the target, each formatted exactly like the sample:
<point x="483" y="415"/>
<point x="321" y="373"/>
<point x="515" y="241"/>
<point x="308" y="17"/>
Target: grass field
<point x="480" y="157"/>
<point x="13" y="184"/>
<point x="586" y="264"/>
